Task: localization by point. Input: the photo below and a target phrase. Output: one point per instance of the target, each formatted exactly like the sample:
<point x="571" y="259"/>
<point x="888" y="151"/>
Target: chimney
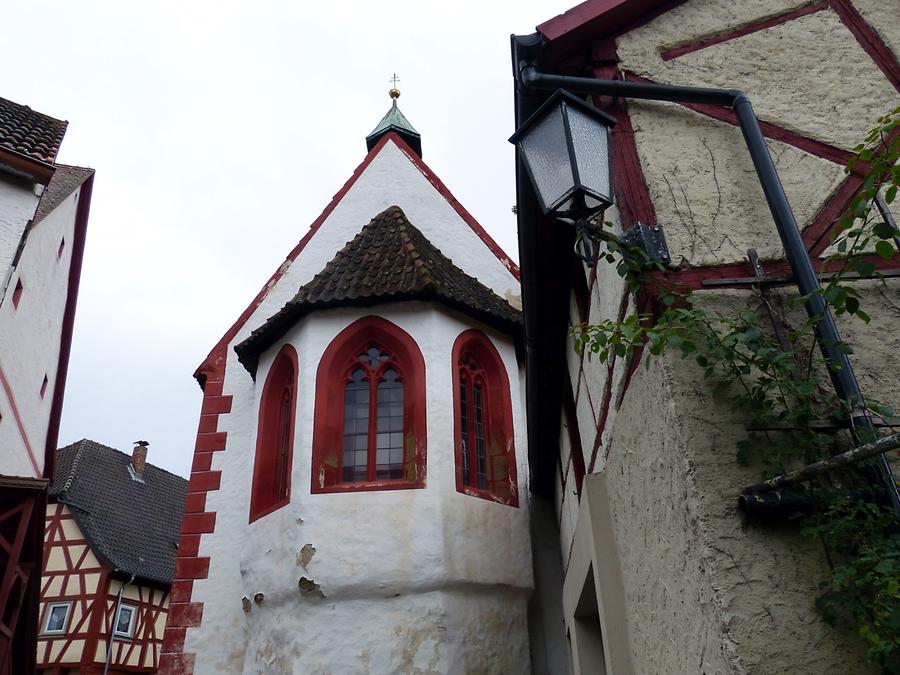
<point x="139" y="459"/>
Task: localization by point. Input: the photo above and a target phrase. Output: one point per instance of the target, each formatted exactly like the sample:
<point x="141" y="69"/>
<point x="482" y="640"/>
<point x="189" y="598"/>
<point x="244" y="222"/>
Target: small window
<point x="57" y="617"/>
<point x="485" y="454"/>
<point x="125" y="621"/>
<point x="271" y="487"/>
<point x="17" y="292"/>
<point x="369" y="429"/>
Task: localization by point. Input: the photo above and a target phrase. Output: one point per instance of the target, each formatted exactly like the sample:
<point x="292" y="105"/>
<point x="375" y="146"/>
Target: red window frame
<point x="474" y="347"/>
<point x="338" y="361"/>
<point x="271" y="486"/>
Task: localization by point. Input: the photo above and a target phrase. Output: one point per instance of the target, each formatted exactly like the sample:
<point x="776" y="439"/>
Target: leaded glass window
<point x="373" y="419"/>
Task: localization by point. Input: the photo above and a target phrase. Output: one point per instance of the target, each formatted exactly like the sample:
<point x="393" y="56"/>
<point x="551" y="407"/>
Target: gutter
<point x="843" y="378"/>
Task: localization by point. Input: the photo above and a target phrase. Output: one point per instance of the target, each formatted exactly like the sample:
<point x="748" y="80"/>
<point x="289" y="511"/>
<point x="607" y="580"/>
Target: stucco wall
<point x="30" y="337"/>
<point x="699" y="591"/>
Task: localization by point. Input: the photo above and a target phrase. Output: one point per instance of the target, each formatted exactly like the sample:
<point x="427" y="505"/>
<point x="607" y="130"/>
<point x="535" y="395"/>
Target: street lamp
<point x="566" y="149"/>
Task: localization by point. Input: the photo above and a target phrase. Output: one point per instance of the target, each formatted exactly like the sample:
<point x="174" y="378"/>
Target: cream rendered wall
<point x="686" y="587"/>
<point x="444" y="557"/>
<point x="30" y="337"/>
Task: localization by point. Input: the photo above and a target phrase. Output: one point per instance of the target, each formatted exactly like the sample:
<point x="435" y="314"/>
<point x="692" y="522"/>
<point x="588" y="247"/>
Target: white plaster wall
<point x="809" y="75"/>
<point x="415" y="555"/>
<point x="17" y="205"/>
<point x="30" y="336"/>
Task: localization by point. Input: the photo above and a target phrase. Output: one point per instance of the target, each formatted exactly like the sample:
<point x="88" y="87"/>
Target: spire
<point x="395" y="121"/>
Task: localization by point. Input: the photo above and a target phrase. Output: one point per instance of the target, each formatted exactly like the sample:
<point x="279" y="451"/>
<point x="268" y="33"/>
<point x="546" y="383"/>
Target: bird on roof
<point x="143" y="444"/>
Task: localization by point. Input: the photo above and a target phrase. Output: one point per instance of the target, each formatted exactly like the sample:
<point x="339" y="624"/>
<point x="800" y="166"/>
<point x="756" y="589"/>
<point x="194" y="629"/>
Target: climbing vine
<point x="779" y="380"/>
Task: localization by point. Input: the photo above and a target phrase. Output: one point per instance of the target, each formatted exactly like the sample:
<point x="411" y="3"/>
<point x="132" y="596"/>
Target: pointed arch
<point x="271" y="487"/>
<point x="369" y="429"/>
<point x="483" y="427"/>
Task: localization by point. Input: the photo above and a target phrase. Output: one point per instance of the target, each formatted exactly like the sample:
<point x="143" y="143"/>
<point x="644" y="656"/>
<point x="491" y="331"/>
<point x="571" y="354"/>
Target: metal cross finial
<point x="394" y="93"/>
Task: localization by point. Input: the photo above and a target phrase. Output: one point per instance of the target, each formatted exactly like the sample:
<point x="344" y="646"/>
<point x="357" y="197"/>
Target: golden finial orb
<point x="394" y="93"/>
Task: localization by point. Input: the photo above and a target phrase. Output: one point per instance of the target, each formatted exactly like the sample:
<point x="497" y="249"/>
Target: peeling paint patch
<point x="308" y="587"/>
<point x="305" y="554"/>
<point x="259" y="598"/>
<point x="245" y="603"/>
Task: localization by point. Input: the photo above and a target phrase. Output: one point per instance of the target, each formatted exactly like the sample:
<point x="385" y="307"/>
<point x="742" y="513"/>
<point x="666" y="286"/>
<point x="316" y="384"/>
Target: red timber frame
<point x="271" y="487"/>
<point x="476" y="362"/>
<point x="328" y="425"/>
<point x="145" y="642"/>
<point x="84" y="582"/>
<point x="632" y="195"/>
<point x="22" y="506"/>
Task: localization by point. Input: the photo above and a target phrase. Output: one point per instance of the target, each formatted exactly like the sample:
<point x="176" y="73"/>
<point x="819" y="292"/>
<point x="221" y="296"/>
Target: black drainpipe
<point x="843" y="377"/>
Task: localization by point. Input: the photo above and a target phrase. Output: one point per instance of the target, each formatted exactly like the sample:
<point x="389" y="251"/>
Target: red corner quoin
<point x="189" y="565"/>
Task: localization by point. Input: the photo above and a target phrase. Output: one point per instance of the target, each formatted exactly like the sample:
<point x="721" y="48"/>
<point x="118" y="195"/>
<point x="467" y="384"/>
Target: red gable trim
<point x="598" y="18"/>
<point x="317" y="223"/>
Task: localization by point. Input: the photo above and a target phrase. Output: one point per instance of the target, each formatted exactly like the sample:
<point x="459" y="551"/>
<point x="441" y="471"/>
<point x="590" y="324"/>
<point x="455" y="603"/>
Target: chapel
<point x="357" y="498"/>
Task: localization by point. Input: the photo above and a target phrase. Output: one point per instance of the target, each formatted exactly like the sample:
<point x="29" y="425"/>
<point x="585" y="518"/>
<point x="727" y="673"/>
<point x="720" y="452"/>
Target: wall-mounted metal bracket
<point x="650" y="239"/>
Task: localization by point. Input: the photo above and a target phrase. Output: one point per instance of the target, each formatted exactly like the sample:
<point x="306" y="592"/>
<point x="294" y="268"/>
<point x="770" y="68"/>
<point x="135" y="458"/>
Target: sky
<point x="219" y="131"/>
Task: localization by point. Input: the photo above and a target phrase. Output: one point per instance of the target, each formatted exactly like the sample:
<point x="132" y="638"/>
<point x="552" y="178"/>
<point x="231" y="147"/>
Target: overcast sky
<point x="219" y="131"/>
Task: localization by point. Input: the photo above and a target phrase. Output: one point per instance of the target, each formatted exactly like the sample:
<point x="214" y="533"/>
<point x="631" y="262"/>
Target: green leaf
<point x="852" y="305"/>
<point x="864" y="267"/>
<point x="891" y="194"/>
<point x="884" y="230"/>
<point x="862" y="315"/>
<point x="885" y="249"/>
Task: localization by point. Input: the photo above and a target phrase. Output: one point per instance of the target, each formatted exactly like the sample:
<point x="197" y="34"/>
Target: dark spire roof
<point x="389" y="260"/>
<point x="396" y="121"/>
<point x="66" y="179"/>
<point x="132" y="526"/>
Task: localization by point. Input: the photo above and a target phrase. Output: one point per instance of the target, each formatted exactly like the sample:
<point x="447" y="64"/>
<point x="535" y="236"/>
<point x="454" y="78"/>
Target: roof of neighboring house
<point x="66" y="179"/>
<point x="132" y="526"/>
<point x="29" y="132"/>
<point x="389" y="260"/>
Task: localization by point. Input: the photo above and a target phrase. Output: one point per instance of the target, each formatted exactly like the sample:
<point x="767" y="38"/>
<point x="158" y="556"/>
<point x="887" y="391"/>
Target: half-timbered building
<point x="43" y="220"/>
<point x="633" y="468"/>
<point x="113" y="523"/>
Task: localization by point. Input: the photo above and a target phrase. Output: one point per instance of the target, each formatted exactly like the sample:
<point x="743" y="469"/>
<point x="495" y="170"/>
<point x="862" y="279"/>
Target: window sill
<point x="256" y="515"/>
<point x="369" y="486"/>
<point x="512" y="501"/>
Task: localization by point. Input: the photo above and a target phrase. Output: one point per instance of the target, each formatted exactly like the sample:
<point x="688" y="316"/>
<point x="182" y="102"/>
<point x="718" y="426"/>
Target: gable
<point x="391" y="174"/>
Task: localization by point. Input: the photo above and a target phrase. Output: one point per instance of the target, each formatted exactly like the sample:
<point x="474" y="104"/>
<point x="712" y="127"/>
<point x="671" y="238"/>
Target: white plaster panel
<point x="17" y="205"/>
<point x="587" y="418"/>
<point x="706" y="192"/>
<point x="881" y="15"/>
<point x="565" y="446"/>
<point x="377" y="544"/>
<point x="30" y="337"/>
<point x="809" y="75"/>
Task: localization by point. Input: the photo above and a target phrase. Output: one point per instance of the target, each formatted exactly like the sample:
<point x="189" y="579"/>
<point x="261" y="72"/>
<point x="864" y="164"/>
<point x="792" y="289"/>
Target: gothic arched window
<point x="275" y="436"/>
<point x="483" y="430"/>
<point x="369" y="430"/>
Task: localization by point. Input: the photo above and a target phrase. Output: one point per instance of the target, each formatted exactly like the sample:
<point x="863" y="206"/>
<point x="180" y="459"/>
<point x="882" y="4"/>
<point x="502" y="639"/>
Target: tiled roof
<point x="66" y="179"/>
<point x="389" y="260"/>
<point x="29" y="132"/>
<point x="132" y="527"/>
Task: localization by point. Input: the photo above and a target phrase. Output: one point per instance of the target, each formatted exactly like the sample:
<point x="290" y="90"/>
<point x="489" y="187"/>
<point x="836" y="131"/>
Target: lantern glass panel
<point x="547" y="154"/>
<point x="590" y="139"/>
